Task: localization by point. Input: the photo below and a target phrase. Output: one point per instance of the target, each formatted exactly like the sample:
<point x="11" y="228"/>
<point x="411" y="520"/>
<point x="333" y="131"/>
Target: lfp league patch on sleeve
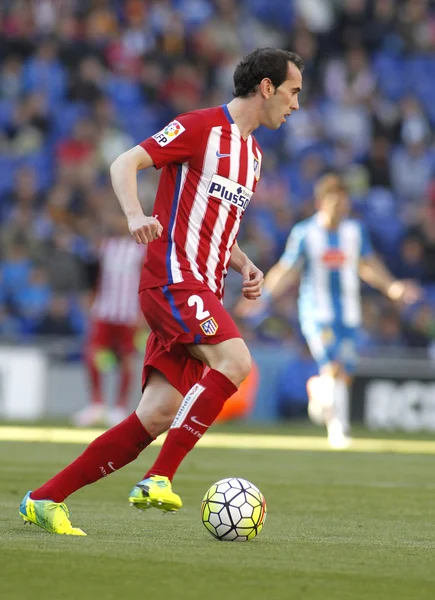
<point x="209" y="326"/>
<point x="169" y="133"/>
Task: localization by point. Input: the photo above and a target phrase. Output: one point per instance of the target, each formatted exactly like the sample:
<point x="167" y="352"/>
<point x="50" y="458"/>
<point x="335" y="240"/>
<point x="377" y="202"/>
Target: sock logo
<point x="197" y="422"/>
<point x="103" y="470"/>
<point x="194" y="432"/>
<point x="186" y="405"/>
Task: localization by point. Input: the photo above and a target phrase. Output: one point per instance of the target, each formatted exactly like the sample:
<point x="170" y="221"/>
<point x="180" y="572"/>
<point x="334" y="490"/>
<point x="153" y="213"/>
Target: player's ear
<point x="267" y="88"/>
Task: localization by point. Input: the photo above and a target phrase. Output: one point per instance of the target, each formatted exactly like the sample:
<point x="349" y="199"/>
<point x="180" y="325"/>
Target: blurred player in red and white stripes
<point x="210" y="165"/>
<point x="115" y="314"/>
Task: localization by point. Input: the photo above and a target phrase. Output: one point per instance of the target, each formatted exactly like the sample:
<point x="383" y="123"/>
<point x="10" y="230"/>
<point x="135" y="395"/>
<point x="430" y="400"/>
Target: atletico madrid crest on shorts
<point x="209" y="327"/>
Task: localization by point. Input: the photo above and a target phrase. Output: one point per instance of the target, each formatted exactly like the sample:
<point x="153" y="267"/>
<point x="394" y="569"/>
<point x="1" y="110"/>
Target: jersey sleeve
<point x="178" y="142"/>
<point x="294" y="253"/>
<point x="366" y="245"/>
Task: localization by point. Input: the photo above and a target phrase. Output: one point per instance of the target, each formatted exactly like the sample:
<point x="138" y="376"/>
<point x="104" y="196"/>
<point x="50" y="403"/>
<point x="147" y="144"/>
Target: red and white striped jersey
<point x="116" y="299"/>
<point x="209" y="175"/>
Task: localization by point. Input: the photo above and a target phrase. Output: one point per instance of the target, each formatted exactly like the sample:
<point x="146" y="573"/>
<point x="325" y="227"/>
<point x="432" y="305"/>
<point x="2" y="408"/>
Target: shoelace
<point x="63" y="506"/>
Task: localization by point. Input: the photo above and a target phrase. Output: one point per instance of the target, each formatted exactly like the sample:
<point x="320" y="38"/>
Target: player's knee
<point x="333" y="369"/>
<point x="158" y="406"/>
<point x="158" y="420"/>
<point x="237" y="366"/>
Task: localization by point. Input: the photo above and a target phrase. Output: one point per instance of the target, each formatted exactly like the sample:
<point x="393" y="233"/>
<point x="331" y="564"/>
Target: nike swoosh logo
<point x="195" y="420"/>
<point x="219" y="155"/>
<point x="110" y="464"/>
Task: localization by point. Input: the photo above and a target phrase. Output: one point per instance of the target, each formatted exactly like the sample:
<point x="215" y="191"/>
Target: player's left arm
<point x="373" y="271"/>
<point x="252" y="276"/>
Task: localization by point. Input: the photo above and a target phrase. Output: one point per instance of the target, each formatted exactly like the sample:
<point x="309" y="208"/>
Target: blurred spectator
<point x="65" y="270"/>
<point x="377" y="163"/>
<point x="32" y="301"/>
<point x="352" y="23"/>
<point x="411" y="170"/>
<point x="29" y="125"/>
<point x="88" y="83"/>
<point x="390" y="331"/>
<point x="411" y="260"/>
<point x="15" y="269"/>
<point x="381" y="30"/>
<point x="11" y="83"/>
<point x="43" y="72"/>
<point x="349" y="78"/>
<point x="58" y="320"/>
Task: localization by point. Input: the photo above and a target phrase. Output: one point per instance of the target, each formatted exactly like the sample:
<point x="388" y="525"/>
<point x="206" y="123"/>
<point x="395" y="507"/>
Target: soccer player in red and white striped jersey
<point x="115" y="313"/>
<point x="210" y="173"/>
<point x="210" y="165"/>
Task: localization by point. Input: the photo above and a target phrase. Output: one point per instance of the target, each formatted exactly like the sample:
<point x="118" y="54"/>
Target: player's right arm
<point x="177" y="143"/>
<point x="123" y="172"/>
<point x="286" y="271"/>
<point x="281" y="276"/>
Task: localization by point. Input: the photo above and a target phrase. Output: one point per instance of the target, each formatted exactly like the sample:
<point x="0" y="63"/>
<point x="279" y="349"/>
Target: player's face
<point x="336" y="205"/>
<point x="284" y="99"/>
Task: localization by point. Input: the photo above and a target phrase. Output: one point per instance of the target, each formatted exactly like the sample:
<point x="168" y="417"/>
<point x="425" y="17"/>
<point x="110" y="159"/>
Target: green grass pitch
<point x="340" y="525"/>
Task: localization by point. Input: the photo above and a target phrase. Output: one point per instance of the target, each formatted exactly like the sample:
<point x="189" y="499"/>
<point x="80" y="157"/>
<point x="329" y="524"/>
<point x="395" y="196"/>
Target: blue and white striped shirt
<point x="329" y="259"/>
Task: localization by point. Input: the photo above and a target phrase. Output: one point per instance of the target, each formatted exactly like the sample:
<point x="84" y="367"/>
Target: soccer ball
<point x="233" y="510"/>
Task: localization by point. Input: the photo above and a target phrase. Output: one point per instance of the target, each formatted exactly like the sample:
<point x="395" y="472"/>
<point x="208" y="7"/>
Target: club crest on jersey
<point x="169" y="133"/>
<point x="256" y="168"/>
<point x="229" y="191"/>
<point x="209" y="326"/>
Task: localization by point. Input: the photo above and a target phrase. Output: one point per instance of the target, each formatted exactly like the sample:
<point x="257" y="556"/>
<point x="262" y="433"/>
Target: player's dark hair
<point x="261" y="63"/>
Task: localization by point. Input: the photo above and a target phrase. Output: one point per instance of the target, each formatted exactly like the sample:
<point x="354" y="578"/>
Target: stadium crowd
<point x="83" y="80"/>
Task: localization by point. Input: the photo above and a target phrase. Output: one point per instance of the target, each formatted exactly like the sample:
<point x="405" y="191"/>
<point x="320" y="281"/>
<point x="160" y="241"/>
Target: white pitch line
<point x="58" y="435"/>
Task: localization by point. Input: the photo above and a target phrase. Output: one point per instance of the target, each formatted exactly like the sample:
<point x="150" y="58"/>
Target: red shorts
<point x="180" y="314"/>
<point x="116" y="337"/>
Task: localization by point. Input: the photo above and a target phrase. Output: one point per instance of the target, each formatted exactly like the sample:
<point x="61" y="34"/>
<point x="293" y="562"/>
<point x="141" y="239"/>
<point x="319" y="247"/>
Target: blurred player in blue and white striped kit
<point x="331" y="252"/>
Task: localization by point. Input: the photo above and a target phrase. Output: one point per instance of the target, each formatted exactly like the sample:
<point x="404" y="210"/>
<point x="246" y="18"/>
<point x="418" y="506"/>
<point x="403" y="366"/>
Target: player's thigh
<point x="179" y="367"/>
<point x="159" y="403"/>
<point x="339" y="353"/>
<point x="189" y="315"/>
<point x="346" y="350"/>
<point x="231" y="357"/>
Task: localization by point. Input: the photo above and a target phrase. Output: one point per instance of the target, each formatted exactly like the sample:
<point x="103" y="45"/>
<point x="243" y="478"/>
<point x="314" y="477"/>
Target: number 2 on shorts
<point x="199" y="303"/>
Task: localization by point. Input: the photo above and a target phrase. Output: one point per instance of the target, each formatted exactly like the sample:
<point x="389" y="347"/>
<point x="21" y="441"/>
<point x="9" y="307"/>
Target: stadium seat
<point x="390" y="77"/>
<point x="124" y="93"/>
<point x="383" y="221"/>
<point x="6" y="110"/>
<point x="66" y="115"/>
<point x="140" y="123"/>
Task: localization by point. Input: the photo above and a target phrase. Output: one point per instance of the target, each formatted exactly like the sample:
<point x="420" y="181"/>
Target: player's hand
<point x="408" y="292"/>
<point x="253" y="280"/>
<point x="144" y="229"/>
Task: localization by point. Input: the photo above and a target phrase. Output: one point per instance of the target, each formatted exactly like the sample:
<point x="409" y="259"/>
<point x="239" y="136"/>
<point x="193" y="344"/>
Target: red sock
<point x="126" y="378"/>
<point x="109" y="452"/>
<point x="94" y="379"/>
<point x="197" y="412"/>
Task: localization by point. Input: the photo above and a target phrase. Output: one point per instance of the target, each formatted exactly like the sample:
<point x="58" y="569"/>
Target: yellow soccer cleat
<point x="51" y="516"/>
<point x="155" y="491"/>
